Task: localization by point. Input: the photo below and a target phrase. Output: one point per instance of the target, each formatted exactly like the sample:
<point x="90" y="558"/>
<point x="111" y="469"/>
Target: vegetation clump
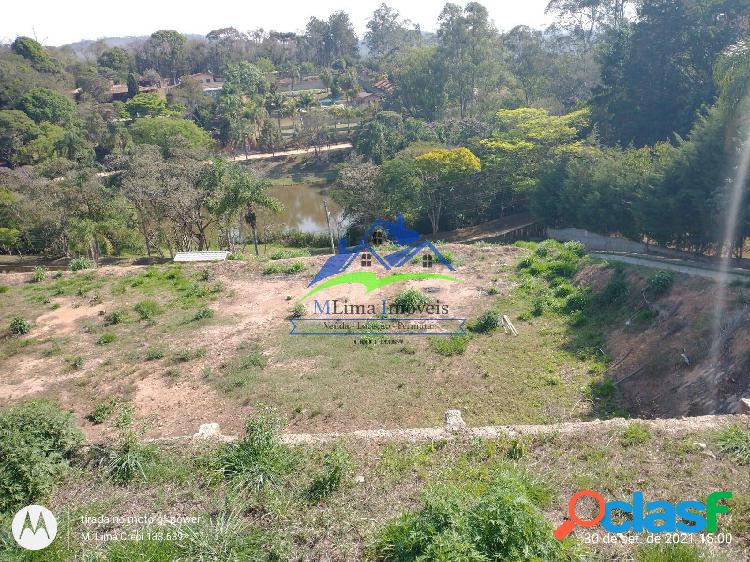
<point x="734" y="440"/>
<point x="40" y="272"/>
<point x="337" y="468"/>
<point x="19" y="326"/>
<point x="257" y="458"/>
<point x="77" y="264"/>
<point x="499" y="520"/>
<point x="487" y="322"/>
<point x="37" y="442"/>
<point x="411" y="300"/>
<point x="147" y="309"/>
<point x="449" y="346"/>
<point x="660" y="282"/>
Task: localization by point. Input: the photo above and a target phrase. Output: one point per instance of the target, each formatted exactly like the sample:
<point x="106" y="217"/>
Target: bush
<point x="660" y="282"/>
<point x="258" y="457"/>
<point x="410" y="300"/>
<point x="77" y="264"/>
<point x="635" y="434"/>
<point x="735" y="441"/>
<point x="289" y="268"/>
<point x="147" y="309"/>
<point x="454" y="345"/>
<point x="203" y="314"/>
<point x="154" y="353"/>
<point x="105" y="339"/>
<point x="115" y="317"/>
<point x="128" y="460"/>
<point x="39" y="274"/>
<point x="102" y="411"/>
<point x="4" y="289"/>
<point x="337" y="467"/>
<point x="75" y="362"/>
<point x="19" y="326"/>
<point x="616" y="291"/>
<point x="298" y="311"/>
<point x="37" y="442"/>
<point x="499" y="521"/>
<point x="487" y="322"/>
<point x="575" y="247"/>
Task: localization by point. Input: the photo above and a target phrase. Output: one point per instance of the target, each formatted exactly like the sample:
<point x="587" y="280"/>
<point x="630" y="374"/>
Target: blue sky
<point x="55" y="22"/>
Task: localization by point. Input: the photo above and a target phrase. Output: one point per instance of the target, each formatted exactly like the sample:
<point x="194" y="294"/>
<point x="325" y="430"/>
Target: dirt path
<point x="673" y="265"/>
<point x="262" y="155"/>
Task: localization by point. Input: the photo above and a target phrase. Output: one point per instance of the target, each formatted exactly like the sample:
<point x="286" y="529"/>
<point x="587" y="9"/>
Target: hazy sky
<point x="56" y="22"/>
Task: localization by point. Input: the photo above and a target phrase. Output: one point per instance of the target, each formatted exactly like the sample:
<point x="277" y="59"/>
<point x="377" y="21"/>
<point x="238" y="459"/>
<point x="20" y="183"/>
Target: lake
<point x="303" y="209"/>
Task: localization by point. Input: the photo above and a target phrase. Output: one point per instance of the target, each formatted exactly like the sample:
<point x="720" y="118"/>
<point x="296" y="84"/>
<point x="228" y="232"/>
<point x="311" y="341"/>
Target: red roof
<point x="384" y="85"/>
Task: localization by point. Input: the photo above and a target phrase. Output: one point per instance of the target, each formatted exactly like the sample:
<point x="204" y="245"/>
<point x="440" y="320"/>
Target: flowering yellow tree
<point x="442" y="171"/>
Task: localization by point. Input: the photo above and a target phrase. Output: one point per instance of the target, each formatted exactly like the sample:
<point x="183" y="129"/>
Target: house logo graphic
<point x="388" y="252"/>
<point x="410" y="244"/>
<point x="34" y="527"/>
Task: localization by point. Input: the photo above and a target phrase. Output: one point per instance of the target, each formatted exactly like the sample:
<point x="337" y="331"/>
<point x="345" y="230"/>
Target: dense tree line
<point x="622" y="117"/>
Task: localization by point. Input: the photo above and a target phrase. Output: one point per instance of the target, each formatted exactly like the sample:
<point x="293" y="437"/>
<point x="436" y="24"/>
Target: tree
<point x="240" y="192"/>
<point x="245" y="78"/>
<point x="145" y="105"/>
<point x="16" y="130"/>
<point x="386" y="34"/>
<point x="419" y="78"/>
<point x="657" y="72"/>
<point x="442" y="171"/>
<point x="33" y="51"/>
<point x="133" y="86"/>
<point x="42" y="104"/>
<point x="115" y="63"/>
<point x="469" y="51"/>
<point x="160" y="131"/>
<point x="165" y="51"/>
<point x="270" y="139"/>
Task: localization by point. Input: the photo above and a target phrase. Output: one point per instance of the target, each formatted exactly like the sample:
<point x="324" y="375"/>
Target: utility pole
<point x="328" y="221"/>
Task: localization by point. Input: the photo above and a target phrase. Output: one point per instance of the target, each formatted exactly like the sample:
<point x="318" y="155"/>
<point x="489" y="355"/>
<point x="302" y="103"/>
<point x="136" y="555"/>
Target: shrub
<point x="616" y="291"/>
<point x="115" y="317"/>
<point x="77" y="264"/>
<point x="337" y="467"/>
<point x="39" y="274"/>
<point x="602" y="389"/>
<point x="128" y="460"/>
<point x="147" y="309"/>
<point x="410" y="300"/>
<point x="4" y="289"/>
<point x="205" y="275"/>
<point x="289" y="268"/>
<point x="203" y="314"/>
<point x="735" y="441"/>
<point x="660" y="282"/>
<point x="635" y="434"/>
<point x="298" y="311"/>
<point x="155" y="353"/>
<point x="487" y="322"/>
<point x="102" y="411"/>
<point x="105" y="339"/>
<point x="258" y="457"/>
<point x="37" y="442"/>
<point x="575" y="247"/>
<point x="500" y="521"/>
<point x="75" y="362"/>
<point x="19" y="326"/>
<point x="454" y="345"/>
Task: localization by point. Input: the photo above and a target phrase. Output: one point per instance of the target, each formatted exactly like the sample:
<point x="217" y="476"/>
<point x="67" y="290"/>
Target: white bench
<point x="200" y="256"/>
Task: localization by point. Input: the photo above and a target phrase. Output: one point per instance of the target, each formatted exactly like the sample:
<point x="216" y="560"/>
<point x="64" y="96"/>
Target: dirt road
<point x="679" y="266"/>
